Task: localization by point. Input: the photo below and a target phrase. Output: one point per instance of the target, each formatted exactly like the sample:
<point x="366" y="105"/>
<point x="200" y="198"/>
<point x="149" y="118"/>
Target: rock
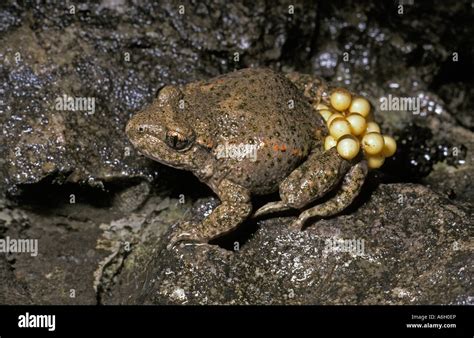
<point x="405" y="245"/>
<point x="81" y="247"/>
<point x="12" y="292"/>
<point x="460" y="98"/>
<point x="61" y="271"/>
<point x="118" y="56"/>
<point x="131" y="198"/>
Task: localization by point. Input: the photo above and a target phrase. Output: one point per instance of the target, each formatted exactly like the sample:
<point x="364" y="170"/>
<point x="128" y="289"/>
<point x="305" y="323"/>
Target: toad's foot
<point x="270" y="208"/>
<point x="350" y="188"/>
<point x="185" y="232"/>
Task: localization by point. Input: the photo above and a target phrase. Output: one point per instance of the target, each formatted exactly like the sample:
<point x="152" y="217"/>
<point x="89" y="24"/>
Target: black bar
<point x="324" y="321"/>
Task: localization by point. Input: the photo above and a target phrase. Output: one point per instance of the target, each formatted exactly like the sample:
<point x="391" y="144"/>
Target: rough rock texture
<point x="100" y="211"/>
<point x="417" y="249"/>
<point x="63" y="270"/>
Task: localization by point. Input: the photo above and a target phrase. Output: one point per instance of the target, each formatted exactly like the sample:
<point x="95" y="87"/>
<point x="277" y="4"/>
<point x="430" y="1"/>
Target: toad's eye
<point x="176" y="140"/>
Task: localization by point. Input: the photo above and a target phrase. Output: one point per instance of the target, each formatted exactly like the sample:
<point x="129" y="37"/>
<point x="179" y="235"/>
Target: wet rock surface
<point x="391" y="255"/>
<point x="102" y="213"/>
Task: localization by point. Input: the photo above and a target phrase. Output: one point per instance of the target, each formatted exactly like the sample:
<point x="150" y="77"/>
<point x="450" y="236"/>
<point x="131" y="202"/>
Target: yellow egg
<point x="372" y="127"/>
<point x="321" y="106"/>
<point x="372" y="143"/>
<point x="329" y="142"/>
<point x="339" y="127"/>
<point x="340" y="99"/>
<point x="375" y="161"/>
<point x="390" y="146"/>
<point x="348" y="147"/>
<point x="326" y="114"/>
<point x="361" y="106"/>
<point x="357" y="122"/>
<point x="333" y="117"/>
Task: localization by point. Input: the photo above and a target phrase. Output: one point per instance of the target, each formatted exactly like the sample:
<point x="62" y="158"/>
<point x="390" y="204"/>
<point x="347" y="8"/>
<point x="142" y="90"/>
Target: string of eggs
<point x="351" y="128"/>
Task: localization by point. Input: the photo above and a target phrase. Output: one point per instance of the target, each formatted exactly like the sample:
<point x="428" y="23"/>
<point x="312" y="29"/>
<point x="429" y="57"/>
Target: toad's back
<point x="254" y="107"/>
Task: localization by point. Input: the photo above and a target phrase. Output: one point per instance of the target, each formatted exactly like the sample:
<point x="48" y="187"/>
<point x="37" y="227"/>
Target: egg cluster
<point x="351" y="128"/>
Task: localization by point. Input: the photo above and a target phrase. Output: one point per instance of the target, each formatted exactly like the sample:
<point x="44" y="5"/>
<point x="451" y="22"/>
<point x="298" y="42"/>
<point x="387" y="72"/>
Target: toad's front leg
<point x="235" y="207"/>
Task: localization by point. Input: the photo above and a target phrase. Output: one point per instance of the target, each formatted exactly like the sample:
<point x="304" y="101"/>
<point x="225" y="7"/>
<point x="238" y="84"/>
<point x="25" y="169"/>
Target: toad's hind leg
<point x="320" y="173"/>
<point x="350" y="188"/>
<point x="312" y="87"/>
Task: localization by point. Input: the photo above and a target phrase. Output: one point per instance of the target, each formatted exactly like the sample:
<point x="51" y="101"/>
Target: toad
<point x="254" y="132"/>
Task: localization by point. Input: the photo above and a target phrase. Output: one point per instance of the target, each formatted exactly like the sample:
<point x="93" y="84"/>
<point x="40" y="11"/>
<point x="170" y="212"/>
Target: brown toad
<point x="252" y="131"/>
